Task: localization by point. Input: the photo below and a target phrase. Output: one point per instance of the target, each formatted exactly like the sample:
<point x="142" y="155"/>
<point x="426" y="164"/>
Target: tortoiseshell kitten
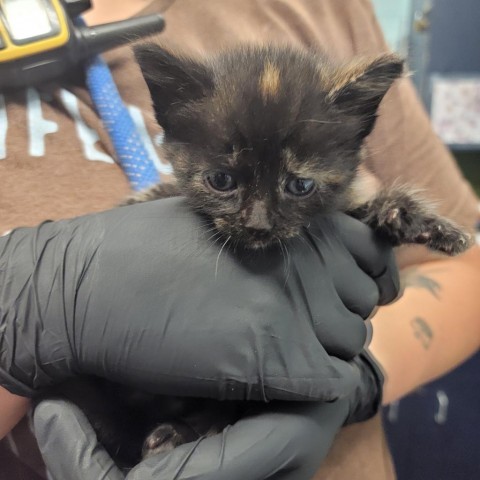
<point x="262" y="139"/>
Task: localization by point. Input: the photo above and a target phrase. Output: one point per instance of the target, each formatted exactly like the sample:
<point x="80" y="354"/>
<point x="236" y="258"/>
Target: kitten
<point x="261" y="139"/>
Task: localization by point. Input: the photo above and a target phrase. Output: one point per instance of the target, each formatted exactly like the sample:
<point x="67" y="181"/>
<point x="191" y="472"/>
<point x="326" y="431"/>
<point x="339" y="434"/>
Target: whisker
<point x="204" y="224"/>
<point x="212" y="229"/>
<point x="218" y="235"/>
<point x="286" y="260"/>
<point x="201" y="229"/>
<point x="219" y="253"/>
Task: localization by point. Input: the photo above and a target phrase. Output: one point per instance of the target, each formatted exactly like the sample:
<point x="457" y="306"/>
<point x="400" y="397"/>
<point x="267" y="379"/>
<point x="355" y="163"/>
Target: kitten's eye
<point x="300" y="187"/>
<point x="221" y="181"/>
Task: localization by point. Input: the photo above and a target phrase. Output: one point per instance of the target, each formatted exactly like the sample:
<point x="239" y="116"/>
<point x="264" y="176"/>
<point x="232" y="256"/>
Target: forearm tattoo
<point x="415" y="279"/>
<point x="422" y="331"/>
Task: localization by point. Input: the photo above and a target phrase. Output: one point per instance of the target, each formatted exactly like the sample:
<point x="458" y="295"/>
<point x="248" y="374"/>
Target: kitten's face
<point x="263" y="139"/>
<point x="262" y="184"/>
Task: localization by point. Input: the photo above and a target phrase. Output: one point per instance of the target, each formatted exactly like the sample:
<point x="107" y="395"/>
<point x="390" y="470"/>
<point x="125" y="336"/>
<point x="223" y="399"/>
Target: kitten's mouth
<point x="257" y="239"/>
<point x="256" y="244"/>
<point x="252" y="239"/>
<point x="268" y="239"/>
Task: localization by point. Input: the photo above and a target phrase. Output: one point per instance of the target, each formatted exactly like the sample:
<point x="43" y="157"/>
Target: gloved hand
<point x="141" y="296"/>
<point x="280" y="440"/>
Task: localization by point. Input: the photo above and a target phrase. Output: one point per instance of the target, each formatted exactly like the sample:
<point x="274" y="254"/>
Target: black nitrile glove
<point x="281" y="441"/>
<point x="140" y="295"/>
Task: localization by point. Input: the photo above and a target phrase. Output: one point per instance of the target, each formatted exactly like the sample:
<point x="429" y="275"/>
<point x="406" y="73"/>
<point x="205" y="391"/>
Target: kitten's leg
<point x="401" y="216"/>
<point x="161" y="190"/>
<point x="167" y="436"/>
<point x="199" y="418"/>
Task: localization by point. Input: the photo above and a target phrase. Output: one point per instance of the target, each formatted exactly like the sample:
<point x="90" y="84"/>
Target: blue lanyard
<point x="131" y="153"/>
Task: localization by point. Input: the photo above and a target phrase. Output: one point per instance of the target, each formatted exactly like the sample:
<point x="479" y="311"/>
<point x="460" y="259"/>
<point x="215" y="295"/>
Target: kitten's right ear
<point x="359" y="87"/>
<point x="172" y="80"/>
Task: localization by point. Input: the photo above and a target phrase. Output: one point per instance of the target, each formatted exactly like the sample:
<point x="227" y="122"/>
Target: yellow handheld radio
<point x="39" y="40"/>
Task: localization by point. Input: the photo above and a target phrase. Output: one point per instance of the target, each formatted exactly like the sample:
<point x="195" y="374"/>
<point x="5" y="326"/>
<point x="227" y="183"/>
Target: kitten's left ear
<point x="359" y="87"/>
<point x="173" y="81"/>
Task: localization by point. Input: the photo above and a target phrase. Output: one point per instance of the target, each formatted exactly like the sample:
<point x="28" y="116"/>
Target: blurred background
<point x="434" y="433"/>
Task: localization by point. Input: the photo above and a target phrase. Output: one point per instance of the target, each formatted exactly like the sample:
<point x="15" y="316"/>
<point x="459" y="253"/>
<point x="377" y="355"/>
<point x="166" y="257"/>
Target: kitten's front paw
<point x="401" y="216"/>
<point x="435" y="232"/>
<point x="165" y="438"/>
<point x="446" y="237"/>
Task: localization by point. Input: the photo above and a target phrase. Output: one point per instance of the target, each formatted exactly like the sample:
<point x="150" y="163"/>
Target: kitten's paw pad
<point x="163" y="439"/>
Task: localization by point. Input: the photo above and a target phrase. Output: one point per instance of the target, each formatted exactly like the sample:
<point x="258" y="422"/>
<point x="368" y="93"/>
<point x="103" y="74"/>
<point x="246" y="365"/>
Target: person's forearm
<point x="12" y="409"/>
<point x="433" y="328"/>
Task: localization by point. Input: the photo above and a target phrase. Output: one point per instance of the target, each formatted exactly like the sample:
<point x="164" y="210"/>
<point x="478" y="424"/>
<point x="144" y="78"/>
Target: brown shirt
<point x="57" y="160"/>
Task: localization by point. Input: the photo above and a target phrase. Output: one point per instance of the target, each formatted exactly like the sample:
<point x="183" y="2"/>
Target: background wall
<point x="449" y="45"/>
<point x="394" y="16"/>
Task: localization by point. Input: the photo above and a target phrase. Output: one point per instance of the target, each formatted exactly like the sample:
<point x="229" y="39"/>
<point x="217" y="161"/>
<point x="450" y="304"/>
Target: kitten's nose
<point x="258" y="218"/>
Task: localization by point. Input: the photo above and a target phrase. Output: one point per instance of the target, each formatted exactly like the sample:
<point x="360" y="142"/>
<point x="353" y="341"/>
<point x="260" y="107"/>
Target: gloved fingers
<point x="69" y="445"/>
<point x="335" y="309"/>
<point x="373" y="255"/>
<point x="348" y="335"/>
<point x="287" y="442"/>
<point x="358" y="291"/>
<point x="389" y="285"/>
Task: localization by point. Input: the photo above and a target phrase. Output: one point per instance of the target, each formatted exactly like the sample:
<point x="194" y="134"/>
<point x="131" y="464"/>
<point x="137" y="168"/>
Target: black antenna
<point x="94" y="40"/>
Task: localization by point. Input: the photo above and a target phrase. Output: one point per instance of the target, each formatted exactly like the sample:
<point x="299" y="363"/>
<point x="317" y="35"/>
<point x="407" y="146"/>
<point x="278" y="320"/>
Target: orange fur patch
<point x="269" y="81"/>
